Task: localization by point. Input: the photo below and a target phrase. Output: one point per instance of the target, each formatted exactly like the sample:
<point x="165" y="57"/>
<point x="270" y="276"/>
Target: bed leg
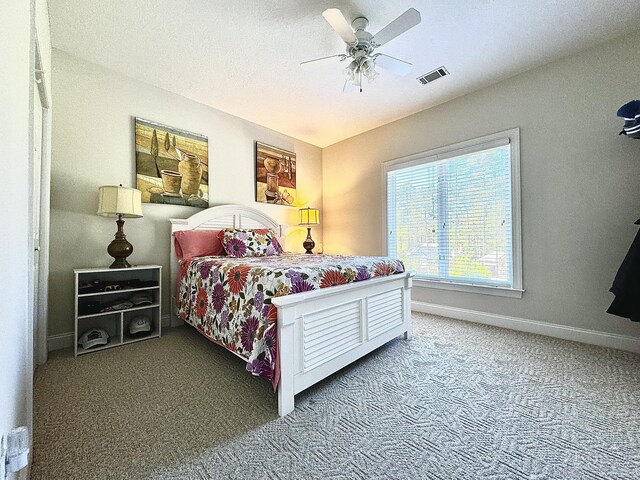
<point x="286" y="393"/>
<point x="285" y="400"/>
<point x="406" y="306"/>
<point x="409" y="332"/>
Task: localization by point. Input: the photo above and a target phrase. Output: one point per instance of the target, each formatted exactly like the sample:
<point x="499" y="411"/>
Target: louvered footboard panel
<point x="384" y="312"/>
<point x="330" y="333"/>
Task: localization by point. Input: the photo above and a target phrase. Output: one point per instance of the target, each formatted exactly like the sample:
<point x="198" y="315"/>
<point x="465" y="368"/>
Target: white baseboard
<point x="65" y="340"/>
<point x="59" y="341"/>
<point x="593" y="337"/>
<point x="583" y="335"/>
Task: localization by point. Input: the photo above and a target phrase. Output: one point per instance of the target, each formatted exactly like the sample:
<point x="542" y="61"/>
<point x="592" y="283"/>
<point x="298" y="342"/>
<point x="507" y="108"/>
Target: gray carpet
<point x="458" y="401"/>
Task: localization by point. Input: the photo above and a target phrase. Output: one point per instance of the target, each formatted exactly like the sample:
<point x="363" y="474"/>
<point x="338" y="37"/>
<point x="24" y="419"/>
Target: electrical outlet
<point x="17" y="449"/>
<point x="3" y="457"/>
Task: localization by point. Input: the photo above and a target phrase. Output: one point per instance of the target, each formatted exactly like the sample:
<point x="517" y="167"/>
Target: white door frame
<point x="40" y="253"/>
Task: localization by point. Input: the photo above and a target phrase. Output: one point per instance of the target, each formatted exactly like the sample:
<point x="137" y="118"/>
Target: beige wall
<point x="93" y="146"/>
<point x="580" y="182"/>
<point x="18" y="23"/>
<point x="15" y="79"/>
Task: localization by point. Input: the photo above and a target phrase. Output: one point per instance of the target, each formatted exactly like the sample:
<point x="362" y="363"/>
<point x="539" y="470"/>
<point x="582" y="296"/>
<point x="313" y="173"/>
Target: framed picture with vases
<point x="172" y="165"/>
<point x="275" y="175"/>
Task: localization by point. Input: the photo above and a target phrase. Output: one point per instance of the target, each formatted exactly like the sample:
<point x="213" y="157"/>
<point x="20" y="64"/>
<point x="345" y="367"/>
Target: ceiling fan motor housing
<point x="360" y="23"/>
<point x="364" y="46"/>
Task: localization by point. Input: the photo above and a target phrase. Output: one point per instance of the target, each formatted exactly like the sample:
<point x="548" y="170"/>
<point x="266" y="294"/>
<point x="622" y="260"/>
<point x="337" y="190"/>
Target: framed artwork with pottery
<point x="275" y="175"/>
<point x="172" y="165"/>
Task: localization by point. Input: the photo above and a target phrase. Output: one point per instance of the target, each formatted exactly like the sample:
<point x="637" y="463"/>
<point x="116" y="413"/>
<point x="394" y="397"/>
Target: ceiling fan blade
<point x="395" y="65"/>
<point x="336" y="19"/>
<point x="317" y="62"/>
<point x="404" y="22"/>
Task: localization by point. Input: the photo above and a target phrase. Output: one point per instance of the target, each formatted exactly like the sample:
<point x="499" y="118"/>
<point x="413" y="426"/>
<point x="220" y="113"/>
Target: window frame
<point x="454" y="150"/>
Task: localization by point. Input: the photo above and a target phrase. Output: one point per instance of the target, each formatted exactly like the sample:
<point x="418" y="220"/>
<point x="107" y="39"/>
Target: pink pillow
<point x="200" y="243"/>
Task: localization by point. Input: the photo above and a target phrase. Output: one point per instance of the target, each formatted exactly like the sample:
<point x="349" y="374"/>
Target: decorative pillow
<point x="197" y="243"/>
<point x="250" y="243"/>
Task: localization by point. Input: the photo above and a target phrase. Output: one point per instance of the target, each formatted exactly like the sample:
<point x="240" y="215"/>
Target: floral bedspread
<point x="229" y="299"/>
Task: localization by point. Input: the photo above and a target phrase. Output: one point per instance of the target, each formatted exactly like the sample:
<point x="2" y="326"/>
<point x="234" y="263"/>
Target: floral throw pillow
<point x="250" y="243"/>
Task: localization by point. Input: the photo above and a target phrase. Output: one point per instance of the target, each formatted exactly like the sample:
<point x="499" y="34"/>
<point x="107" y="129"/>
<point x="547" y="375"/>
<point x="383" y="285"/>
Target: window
<point x="453" y="215"/>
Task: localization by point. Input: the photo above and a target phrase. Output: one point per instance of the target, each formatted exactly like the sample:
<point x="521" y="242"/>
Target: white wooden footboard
<point x="322" y="331"/>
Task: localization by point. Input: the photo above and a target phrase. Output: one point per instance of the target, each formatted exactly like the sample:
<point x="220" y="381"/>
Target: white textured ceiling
<point x="243" y="57"/>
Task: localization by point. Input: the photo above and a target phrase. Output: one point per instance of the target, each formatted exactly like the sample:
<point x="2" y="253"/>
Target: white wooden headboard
<point x="217" y="218"/>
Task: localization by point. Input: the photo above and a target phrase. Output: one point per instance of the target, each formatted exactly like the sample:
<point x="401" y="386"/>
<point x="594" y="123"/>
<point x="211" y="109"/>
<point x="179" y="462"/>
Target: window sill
<point x="469" y="288"/>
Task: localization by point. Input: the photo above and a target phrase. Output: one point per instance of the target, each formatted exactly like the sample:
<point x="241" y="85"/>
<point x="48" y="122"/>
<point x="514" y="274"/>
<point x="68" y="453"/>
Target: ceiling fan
<point x="361" y="45"/>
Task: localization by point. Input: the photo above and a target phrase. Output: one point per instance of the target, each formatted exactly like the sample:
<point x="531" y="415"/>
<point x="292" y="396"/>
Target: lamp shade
<point x="114" y="201"/>
<point x="309" y="216"/>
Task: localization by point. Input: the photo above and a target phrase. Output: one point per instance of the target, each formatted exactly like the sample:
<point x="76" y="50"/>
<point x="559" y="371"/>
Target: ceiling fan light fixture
<point x="350" y="71"/>
<point x="361" y="66"/>
<point x="368" y="69"/>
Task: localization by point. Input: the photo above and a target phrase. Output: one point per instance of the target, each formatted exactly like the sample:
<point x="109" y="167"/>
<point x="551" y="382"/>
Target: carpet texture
<point x="457" y="401"/>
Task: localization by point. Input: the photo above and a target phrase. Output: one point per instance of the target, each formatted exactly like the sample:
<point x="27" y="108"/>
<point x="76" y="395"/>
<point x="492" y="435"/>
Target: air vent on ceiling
<point x="434" y="75"/>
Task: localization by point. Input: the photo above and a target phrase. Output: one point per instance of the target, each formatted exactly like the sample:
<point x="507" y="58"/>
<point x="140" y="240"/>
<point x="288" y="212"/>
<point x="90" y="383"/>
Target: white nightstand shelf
<point x="98" y="288"/>
<point x="97" y="348"/>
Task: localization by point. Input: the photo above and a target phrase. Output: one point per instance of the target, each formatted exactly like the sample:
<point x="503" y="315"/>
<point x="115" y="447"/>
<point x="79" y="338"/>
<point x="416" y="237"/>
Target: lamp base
<point x="120" y="248"/>
<point x="120" y="263"/>
<point x="308" y="244"/>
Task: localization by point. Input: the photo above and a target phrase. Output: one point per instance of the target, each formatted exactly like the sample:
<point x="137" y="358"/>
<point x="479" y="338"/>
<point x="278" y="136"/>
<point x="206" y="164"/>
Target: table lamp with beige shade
<point x="119" y="201"/>
<point x="309" y="216"/>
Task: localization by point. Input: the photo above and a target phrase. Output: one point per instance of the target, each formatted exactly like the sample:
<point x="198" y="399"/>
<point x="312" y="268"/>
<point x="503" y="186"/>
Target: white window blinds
<point x="449" y="216"/>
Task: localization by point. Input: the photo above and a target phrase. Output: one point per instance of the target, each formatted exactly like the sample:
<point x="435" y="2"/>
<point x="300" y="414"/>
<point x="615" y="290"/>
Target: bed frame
<point x="321" y="331"/>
